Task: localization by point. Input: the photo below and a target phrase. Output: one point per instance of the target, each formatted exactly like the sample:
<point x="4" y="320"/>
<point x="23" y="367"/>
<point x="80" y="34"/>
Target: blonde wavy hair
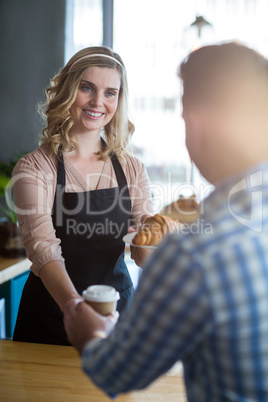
<point x="61" y="94"/>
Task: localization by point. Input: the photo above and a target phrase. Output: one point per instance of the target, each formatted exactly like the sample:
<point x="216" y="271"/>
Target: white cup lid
<point x="101" y="293"/>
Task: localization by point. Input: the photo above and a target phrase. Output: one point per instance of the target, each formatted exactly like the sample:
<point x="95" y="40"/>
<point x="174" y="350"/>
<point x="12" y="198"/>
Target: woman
<point x="76" y="194"/>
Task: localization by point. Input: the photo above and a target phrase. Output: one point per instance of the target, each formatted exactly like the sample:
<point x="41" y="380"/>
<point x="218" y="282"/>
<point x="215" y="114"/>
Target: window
<point x="84" y="25"/>
<point x="152" y="37"/>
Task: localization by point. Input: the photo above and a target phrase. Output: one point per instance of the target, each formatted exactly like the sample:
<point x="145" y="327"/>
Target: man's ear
<point x="201" y="120"/>
<point x="195" y="126"/>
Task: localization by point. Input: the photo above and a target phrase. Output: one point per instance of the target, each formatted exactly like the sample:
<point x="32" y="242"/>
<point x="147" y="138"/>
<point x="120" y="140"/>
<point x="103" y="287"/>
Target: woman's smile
<point x="96" y="100"/>
<point x="94" y="115"/>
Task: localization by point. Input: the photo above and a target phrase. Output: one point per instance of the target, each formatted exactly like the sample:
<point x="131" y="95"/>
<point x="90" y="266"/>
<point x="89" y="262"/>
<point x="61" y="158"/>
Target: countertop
<point x="35" y="372"/>
<point x="12" y="267"/>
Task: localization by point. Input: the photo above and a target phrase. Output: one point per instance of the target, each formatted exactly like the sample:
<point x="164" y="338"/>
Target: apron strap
<point x="119" y="173"/>
<point x="122" y="181"/>
<point x="61" y="172"/>
<point x="60" y="179"/>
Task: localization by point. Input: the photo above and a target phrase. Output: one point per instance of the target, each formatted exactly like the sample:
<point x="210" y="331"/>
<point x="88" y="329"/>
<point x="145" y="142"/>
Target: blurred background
<point x="152" y="37"/>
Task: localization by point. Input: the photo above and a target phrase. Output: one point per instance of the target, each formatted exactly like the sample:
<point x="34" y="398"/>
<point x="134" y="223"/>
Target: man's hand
<point x="138" y="254"/>
<point x="83" y="324"/>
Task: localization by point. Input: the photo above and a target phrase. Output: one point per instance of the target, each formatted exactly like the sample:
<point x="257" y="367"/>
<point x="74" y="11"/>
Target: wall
<point x="32" y="50"/>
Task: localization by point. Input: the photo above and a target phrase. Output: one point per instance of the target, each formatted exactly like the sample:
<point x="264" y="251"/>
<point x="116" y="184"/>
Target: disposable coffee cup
<point x="101" y="298"/>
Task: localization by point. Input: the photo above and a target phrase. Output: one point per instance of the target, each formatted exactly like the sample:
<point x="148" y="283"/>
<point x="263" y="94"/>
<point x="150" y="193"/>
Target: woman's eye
<point x="110" y="93"/>
<point x="87" y="88"/>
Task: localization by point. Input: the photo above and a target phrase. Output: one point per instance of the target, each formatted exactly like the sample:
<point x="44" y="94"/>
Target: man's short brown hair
<point x="203" y="71"/>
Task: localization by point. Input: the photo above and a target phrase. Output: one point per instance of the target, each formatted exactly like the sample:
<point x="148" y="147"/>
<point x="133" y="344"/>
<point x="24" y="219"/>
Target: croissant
<point x="153" y="230"/>
<point x="186" y="210"/>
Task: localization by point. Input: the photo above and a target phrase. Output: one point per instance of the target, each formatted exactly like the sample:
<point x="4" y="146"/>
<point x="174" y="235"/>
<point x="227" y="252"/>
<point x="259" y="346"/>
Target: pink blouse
<point x="34" y="181"/>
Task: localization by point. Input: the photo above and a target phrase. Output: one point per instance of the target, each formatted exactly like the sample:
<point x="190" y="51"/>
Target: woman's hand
<point x="138" y="254"/>
<point x="83" y="324"/>
<point x="58" y="283"/>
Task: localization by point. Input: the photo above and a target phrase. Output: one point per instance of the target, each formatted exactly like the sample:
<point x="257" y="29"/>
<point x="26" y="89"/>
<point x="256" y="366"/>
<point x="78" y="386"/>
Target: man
<point x="203" y="298"/>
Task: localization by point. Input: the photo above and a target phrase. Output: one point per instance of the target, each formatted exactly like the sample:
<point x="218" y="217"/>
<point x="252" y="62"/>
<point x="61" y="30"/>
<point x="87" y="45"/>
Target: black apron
<point x="90" y="225"/>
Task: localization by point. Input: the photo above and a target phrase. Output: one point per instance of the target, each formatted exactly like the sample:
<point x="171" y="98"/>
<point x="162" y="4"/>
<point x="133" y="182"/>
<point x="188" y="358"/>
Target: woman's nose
<point x="97" y="99"/>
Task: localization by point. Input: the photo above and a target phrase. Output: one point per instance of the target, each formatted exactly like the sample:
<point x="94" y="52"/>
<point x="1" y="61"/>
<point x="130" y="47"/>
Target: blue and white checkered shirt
<point x="202" y="299"/>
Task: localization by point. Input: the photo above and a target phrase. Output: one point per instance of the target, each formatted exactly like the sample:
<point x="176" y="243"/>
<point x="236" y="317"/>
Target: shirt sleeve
<point x="33" y="195"/>
<point x="139" y="188"/>
<point x="166" y="321"/>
